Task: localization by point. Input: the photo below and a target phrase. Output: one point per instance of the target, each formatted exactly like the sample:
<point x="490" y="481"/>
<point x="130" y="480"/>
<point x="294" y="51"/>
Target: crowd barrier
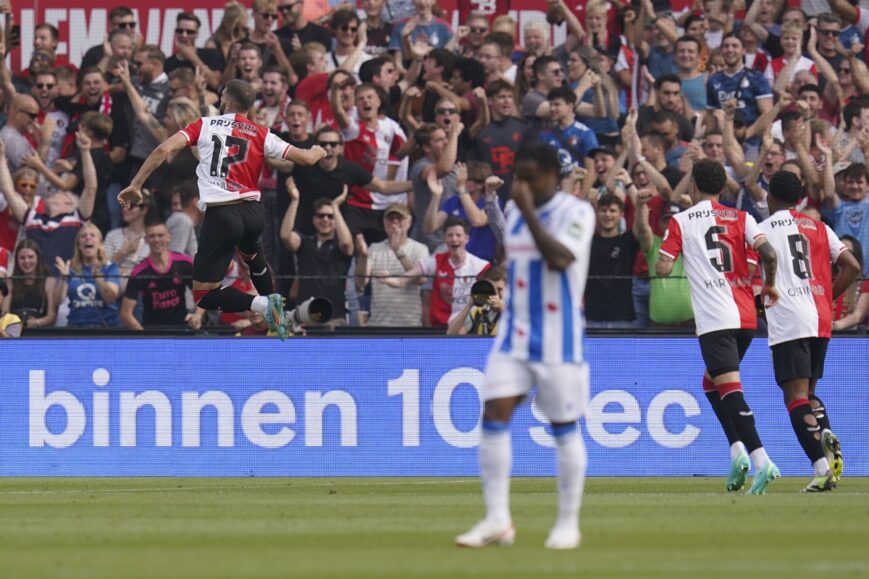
<point x="377" y="407"/>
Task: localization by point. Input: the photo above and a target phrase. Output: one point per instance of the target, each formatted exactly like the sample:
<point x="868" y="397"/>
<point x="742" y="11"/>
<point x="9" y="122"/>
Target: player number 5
<point x="723" y="261"/>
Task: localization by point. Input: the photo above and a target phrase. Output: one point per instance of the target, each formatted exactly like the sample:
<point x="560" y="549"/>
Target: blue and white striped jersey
<point x="543" y="321"/>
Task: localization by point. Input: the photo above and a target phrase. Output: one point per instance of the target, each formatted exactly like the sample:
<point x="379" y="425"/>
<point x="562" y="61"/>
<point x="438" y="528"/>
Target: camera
<point x="481" y="291"/>
<point x="311" y="311"/>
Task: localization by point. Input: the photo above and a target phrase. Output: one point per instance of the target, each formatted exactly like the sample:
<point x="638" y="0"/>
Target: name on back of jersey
<point x="239" y="126"/>
<point x="723" y="214"/>
<point x="805" y="222"/>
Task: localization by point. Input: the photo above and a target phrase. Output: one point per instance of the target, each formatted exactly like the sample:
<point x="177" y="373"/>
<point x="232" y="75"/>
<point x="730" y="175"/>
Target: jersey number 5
<point x="239" y="156"/>
<point x="721" y="260"/>
<point x="800" y="261"/>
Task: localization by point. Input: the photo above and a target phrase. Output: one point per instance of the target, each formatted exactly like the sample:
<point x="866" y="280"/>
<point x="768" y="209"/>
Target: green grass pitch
<point x="264" y="528"/>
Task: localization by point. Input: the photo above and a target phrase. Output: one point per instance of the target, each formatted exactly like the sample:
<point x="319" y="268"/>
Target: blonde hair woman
<point x="232" y="29"/>
<point x="90" y="281"/>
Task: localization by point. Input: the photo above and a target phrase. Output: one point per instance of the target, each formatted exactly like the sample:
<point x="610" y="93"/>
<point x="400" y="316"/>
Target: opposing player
<point x="714" y="240"/>
<point x="800" y="325"/>
<point x="548" y="241"/>
<point x="232" y="151"/>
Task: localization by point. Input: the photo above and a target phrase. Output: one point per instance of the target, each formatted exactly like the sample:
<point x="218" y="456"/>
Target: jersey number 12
<point x="239" y="156"/>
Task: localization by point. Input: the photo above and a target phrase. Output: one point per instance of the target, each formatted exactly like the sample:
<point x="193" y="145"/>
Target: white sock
<point x="496" y="457"/>
<point x="572" y="460"/>
<point x="736" y="449"/>
<point x="821" y="466"/>
<point x="759" y="458"/>
<point x="260" y="305"/>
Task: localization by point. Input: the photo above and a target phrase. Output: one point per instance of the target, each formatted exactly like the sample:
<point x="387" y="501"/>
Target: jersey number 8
<point x="800" y="260"/>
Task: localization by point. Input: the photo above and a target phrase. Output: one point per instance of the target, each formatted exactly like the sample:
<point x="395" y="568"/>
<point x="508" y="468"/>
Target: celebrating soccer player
<point x="714" y="241"/>
<point x="232" y="151"/>
<point x="548" y="241"/>
<point x="800" y="325"/>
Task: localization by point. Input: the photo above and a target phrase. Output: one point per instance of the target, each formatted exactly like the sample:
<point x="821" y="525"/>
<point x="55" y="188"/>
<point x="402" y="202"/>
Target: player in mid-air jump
<point x="801" y="324"/>
<point x="713" y="240"/>
<point x="548" y="243"/>
<point x="232" y="151"/>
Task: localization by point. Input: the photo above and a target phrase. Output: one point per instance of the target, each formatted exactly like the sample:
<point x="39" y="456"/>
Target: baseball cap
<point x="399" y="208"/>
<point x="608" y="150"/>
<point x="670" y="210"/>
<point x="840" y="166"/>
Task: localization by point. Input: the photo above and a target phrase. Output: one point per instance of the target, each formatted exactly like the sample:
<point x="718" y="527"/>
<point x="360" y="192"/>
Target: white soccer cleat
<point x="563" y="538"/>
<point x="487" y="533"/>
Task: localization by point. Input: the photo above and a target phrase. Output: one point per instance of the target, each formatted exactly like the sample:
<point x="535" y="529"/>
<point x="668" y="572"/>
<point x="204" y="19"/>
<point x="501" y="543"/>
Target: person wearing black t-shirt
<point x="327" y="253"/>
<point x="609" y="301"/>
<point x="161" y="279"/>
<point x="328" y="178"/>
<point x="209" y="60"/>
<point x="295" y="25"/>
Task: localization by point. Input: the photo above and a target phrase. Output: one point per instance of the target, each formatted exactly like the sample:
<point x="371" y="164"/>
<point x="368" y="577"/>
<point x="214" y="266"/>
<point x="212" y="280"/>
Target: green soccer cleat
<point x="274" y="315"/>
<point x="821" y="484"/>
<point x="763" y="477"/>
<point x="833" y="450"/>
<point x="738" y="470"/>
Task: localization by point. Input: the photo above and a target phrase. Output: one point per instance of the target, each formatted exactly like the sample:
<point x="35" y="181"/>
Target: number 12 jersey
<point x="232" y="152"/>
<point x="715" y="241"/>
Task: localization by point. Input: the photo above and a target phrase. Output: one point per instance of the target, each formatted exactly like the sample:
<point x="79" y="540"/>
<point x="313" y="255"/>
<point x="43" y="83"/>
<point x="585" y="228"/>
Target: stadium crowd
<point x="421" y="123"/>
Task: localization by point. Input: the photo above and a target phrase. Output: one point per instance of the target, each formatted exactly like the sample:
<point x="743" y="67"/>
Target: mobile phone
<point x="14" y="37"/>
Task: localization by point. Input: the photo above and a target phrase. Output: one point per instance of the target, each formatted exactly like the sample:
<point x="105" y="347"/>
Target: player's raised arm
<point x="132" y="195"/>
<point x="305" y="157"/>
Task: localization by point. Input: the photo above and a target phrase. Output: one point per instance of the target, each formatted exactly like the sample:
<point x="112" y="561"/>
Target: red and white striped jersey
<point x="376" y="150"/>
<point x="806" y="250"/>
<point x="451" y="286"/>
<point x="714" y="241"/>
<point x="232" y="154"/>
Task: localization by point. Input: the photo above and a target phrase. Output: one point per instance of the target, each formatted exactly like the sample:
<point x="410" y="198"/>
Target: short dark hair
<point x="687" y="38"/>
<point x="471" y="70"/>
<point x="810" y="88"/>
<point x="691" y="20"/>
<point x="343" y="17"/>
<point x="444" y="58"/>
<point x="790" y="118"/>
<point x="321" y="202"/>
<point x="326" y="130"/>
<point x="275" y="69"/>
<point x="119" y="12"/>
<point x="544" y="155"/>
<point x="855" y="172"/>
<point x="733" y="34"/>
<point x="541" y="63"/>
<point x="665" y="116"/>
<point x="457" y="222"/>
<point x="671" y="78"/>
<point x="190" y="16"/>
<point x="371" y="68"/>
<point x="497" y="86"/>
<point x="786" y="187"/>
<point x="52" y="30"/>
<point x="241" y="93"/>
<point x="422" y="136"/>
<point x="709" y="176"/>
<point x="155" y="221"/>
<point x="564" y="93"/>
<point x="608" y="199"/>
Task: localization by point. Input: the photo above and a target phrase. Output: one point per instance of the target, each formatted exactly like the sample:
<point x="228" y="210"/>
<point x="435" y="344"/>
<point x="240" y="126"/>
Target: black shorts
<point x="225" y="228"/>
<point x="723" y="350"/>
<point x="368" y="222"/>
<point x="803" y="358"/>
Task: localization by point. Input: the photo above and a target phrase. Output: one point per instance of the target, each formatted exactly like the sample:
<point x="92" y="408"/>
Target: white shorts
<point x="562" y="389"/>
